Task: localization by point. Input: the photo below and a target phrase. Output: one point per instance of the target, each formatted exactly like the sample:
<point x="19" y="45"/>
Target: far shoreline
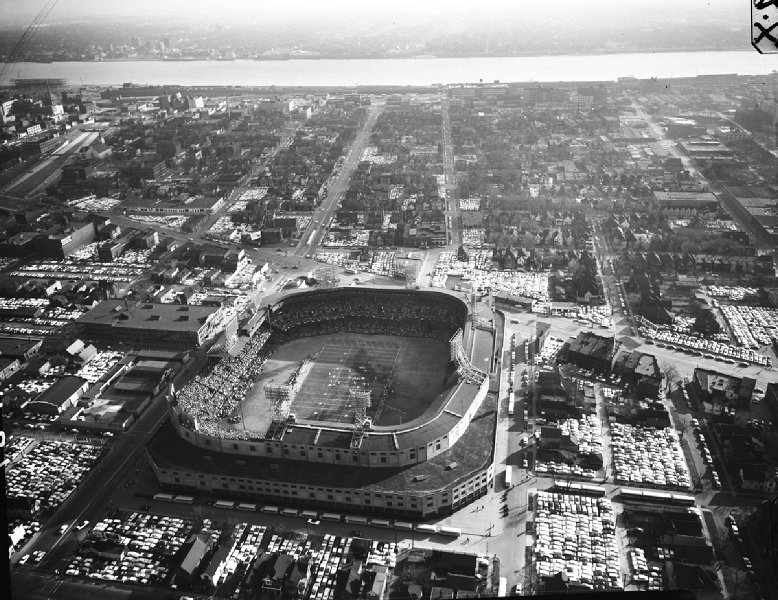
<point x="416" y="57"/>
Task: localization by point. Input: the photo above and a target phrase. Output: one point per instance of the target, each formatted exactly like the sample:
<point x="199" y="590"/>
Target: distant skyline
<point x="22" y="12"/>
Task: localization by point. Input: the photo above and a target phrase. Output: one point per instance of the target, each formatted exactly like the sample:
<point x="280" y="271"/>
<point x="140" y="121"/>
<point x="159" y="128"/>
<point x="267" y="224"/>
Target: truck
<point x="508" y="477"/>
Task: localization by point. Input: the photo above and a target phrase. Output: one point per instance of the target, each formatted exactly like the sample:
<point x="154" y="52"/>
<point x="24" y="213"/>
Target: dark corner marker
<point x="764" y="26"/>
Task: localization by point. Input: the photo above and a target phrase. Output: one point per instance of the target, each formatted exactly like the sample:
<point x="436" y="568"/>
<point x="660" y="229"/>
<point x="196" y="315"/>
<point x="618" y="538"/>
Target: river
<point x="409" y="71"/>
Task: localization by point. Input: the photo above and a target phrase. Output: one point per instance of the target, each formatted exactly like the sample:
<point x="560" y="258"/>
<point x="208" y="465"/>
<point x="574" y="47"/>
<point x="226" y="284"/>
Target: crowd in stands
<point x="216" y="391"/>
<point x="372" y="326"/>
<point x="396" y="311"/>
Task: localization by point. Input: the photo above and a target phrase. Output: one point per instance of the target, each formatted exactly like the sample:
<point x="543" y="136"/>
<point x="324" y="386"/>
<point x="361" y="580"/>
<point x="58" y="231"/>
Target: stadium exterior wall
<point x="425" y="446"/>
<point x="412" y="505"/>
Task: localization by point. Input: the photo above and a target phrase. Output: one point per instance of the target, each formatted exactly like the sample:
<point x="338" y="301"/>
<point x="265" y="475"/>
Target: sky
<point x="22" y="12"/>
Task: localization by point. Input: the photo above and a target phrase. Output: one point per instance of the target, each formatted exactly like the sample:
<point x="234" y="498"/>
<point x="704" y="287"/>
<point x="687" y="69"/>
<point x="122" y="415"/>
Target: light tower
<point x="279" y="397"/>
<point x="362" y="423"/>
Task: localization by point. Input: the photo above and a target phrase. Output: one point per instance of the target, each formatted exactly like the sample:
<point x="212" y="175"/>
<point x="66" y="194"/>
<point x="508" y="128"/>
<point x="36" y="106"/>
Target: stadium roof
<point x="472" y="452"/>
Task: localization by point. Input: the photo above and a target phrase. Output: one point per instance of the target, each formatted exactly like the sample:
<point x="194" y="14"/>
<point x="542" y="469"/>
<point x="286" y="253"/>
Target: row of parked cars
<point x="707" y="457"/>
<point x="735" y="530"/>
<point x="709" y="349"/>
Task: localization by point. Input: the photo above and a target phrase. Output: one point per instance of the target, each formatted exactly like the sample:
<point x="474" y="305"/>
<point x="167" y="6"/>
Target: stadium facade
<point x="426" y="467"/>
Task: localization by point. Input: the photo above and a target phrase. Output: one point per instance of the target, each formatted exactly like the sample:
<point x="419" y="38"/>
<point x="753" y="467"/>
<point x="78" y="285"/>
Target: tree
<point x="670" y="375"/>
<point x="706" y="323"/>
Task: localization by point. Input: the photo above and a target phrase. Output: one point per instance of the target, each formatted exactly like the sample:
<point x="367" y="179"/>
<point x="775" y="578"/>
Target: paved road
<point x="49" y="167"/>
<point x="339" y="185"/>
<point x="452" y="190"/>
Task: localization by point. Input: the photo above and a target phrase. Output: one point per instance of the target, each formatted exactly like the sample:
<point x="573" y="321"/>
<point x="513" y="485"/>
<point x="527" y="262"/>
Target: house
<point x="219" y="561"/>
<point x="591" y="351"/>
<point x="725" y="390"/>
<point x="640" y="371"/>
<point x="378" y="587"/>
<point x="199" y="546"/>
<point x="99" y="151"/>
<point x="758" y="477"/>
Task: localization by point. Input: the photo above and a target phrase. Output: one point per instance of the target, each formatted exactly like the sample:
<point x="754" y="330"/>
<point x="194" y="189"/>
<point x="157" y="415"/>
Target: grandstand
<point x="330" y="384"/>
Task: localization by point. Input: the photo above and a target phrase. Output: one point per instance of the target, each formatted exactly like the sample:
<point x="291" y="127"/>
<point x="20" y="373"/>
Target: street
<point x="312" y="237"/>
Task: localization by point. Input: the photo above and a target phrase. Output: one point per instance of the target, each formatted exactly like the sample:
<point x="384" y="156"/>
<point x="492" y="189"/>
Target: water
<point x="413" y="71"/>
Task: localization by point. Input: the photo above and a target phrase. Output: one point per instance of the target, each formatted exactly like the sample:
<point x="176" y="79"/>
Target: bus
<point x="656" y="497"/>
<point x="164" y="497"/>
<point x="309" y="514"/>
<point x="355" y="520"/>
<point x="380" y="523"/>
<point x="450" y="531"/>
<point x="511" y="402"/>
<point x="424" y="528"/>
<point x="247" y="506"/>
<point x="224" y="504"/>
<point x="273" y="510"/>
<point x="289" y="512"/>
<point x="331" y="517"/>
<point x="404" y="525"/>
<point x="582" y="489"/>
<point x="508" y="477"/>
<point x="183" y="499"/>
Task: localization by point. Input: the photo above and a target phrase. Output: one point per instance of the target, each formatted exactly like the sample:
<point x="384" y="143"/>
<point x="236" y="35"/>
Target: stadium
<point x="374" y="399"/>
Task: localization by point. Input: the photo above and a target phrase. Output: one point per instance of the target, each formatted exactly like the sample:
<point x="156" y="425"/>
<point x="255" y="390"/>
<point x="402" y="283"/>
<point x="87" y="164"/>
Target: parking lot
<point x="647" y="456"/>
<point x="706" y="348"/>
<point x="51" y="470"/>
<point x="576" y="535"/>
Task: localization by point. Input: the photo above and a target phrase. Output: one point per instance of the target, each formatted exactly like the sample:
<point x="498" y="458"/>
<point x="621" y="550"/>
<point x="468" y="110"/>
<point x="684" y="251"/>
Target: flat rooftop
<point x="145" y="315"/>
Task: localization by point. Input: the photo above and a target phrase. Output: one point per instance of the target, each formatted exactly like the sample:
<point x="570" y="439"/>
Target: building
<point x="64" y="394"/>
<point x="219" y="562"/>
<point x="705" y="149"/>
<point x="106" y="549"/>
<point x="640" y="371"/>
<point x="180" y="205"/>
<point x="591" y="351"/>
<point x="21" y="349"/>
<point x="40" y="145"/>
<point x="99" y="151"/>
<point x="758" y="478"/>
<point x="438" y="486"/>
<point x="684" y="128"/>
<point x="63" y="241"/>
<point x="724" y="390"/>
<point x="702" y="201"/>
<point x="757" y="206"/>
<point x="147" y="325"/>
<point x="431" y="465"/>
<point x="198" y="548"/>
